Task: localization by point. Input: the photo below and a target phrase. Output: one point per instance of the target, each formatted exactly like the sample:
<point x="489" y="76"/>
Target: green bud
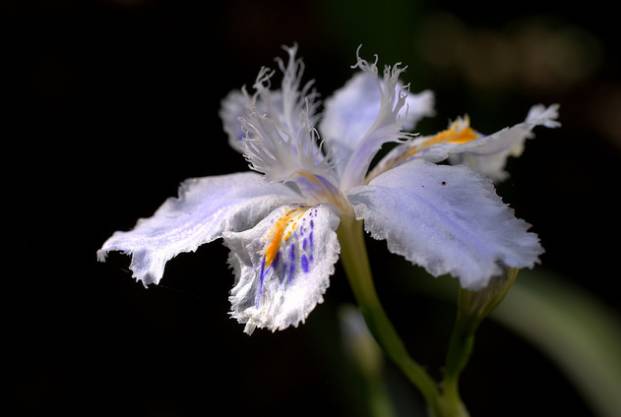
<point x="474" y="306"/>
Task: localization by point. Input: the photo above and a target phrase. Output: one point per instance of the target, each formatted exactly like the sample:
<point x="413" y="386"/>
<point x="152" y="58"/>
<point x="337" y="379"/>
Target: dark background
<point x="120" y="105"/>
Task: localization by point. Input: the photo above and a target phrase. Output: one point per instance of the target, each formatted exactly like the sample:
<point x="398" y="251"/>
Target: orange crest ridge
<point x="281" y="231"/>
<point x="458" y="132"/>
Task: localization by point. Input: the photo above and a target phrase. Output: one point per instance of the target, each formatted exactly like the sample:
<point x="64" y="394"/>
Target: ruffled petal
<point x="238" y="104"/>
<point x="206" y="207"/>
<point x="353" y="109"/>
<point x="461" y="145"/>
<point x="233" y="107"/>
<point x="488" y="154"/>
<point x="387" y="126"/>
<point x="282" y="266"/>
<point x="282" y="140"/>
<point x="447" y="219"/>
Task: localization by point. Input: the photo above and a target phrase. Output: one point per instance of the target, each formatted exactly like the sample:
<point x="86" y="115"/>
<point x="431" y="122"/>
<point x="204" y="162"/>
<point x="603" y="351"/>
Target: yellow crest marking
<point x="282" y="230"/>
<point x="458" y="132"/>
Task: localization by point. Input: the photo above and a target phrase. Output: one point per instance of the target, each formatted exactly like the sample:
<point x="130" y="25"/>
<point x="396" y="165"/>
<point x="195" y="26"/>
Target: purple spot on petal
<point x="304" y="262"/>
<point x="292" y="264"/>
<point x="262" y="273"/>
<point x="261" y="278"/>
<point x="291" y="272"/>
<point x="304" y="243"/>
<point x="310" y="240"/>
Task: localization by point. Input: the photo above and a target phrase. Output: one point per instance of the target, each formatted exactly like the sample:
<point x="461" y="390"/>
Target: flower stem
<point x="460" y="348"/>
<point x="472" y="308"/>
<point x="356" y="263"/>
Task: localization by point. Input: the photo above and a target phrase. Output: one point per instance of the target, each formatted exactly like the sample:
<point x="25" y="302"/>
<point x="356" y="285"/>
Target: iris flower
<point x="312" y="173"/>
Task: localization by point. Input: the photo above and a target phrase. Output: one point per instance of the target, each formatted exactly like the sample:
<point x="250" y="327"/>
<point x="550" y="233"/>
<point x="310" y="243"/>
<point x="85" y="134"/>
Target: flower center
<point x="319" y="190"/>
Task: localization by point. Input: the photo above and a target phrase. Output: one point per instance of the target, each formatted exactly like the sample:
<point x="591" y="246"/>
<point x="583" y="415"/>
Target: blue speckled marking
<point x="304" y="263"/>
<point x="291" y="273"/>
<point x="291" y="264"/>
<point x="261" y="279"/>
<point x="276" y="260"/>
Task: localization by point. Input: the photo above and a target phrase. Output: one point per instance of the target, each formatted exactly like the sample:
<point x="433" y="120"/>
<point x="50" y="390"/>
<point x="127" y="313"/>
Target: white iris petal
<point x="386" y="127"/>
<point x="364" y="103"/>
<point x="447" y="219"/>
<point x="352" y="110"/>
<point x="205" y="208"/>
<point x="486" y="154"/>
<point x="282" y="266"/>
<point x="237" y="104"/>
<point x="233" y="107"/>
<point x="283" y="141"/>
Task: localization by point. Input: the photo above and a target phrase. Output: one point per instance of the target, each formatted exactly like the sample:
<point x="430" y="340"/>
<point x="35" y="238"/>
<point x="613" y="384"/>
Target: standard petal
<point x="206" y="207"/>
<point x="234" y="106"/>
<point x="417" y="106"/>
<point x="238" y="104"/>
<point x="282" y="266"/>
<point x="353" y="109"/>
<point x="448" y="219"/>
<point x="282" y="140"/>
<point x="387" y="126"/>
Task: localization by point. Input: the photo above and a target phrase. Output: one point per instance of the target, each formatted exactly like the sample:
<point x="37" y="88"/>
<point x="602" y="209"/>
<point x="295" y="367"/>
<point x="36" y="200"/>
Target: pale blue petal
<point x="238" y="104"/>
<point x="282" y="266"/>
<point x="234" y="106"/>
<point x="352" y="111"/>
<point x="205" y="209"/>
<point x="281" y="140"/>
<point x="487" y="154"/>
<point x="447" y="219"/>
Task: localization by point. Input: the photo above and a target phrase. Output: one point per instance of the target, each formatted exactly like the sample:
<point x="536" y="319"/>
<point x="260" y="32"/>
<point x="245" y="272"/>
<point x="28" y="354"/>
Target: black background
<point x="120" y="105"/>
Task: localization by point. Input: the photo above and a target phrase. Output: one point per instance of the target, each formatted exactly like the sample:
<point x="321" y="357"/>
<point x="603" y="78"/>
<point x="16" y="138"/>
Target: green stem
<point x="460" y="348"/>
<point x="461" y="343"/>
<point x="356" y="263"/>
<point x="472" y="308"/>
